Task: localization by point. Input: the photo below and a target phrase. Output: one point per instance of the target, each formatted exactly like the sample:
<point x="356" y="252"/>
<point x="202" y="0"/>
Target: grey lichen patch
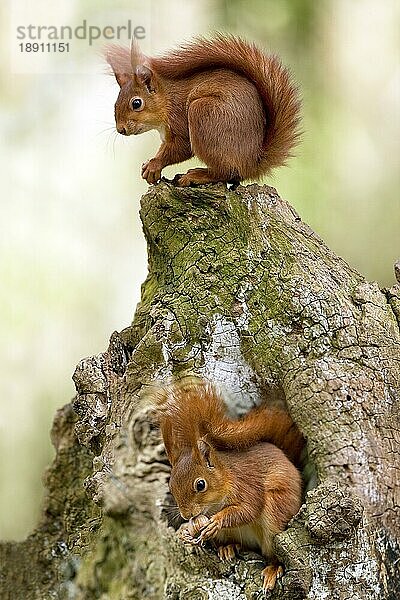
<point x="393" y="298"/>
<point x="332" y="513"/>
<point x="119" y="354"/>
<point x="326" y="549"/>
<point x="93" y="409"/>
<point x="211" y="589"/>
<point x="358" y="578"/>
<point x="95" y="378"/>
<point x="90" y="377"/>
<point x="225" y="364"/>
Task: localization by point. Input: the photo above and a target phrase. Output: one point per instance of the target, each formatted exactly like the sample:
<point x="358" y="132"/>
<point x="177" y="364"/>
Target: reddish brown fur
<point x="253" y="489"/>
<point x="222" y="100"/>
<point x="265" y="492"/>
<point x="257" y="487"/>
<point x="193" y="409"/>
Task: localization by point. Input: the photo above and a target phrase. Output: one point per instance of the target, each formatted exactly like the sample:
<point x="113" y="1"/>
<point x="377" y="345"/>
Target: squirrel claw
<point x="270" y="574"/>
<point x="228" y="553"/>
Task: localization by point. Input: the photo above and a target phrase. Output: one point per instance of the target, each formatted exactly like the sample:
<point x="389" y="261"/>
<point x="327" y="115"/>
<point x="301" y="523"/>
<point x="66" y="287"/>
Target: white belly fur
<point x="258" y="536"/>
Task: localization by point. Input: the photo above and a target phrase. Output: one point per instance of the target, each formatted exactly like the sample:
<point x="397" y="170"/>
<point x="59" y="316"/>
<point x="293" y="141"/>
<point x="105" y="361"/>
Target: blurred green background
<point x="72" y="251"/>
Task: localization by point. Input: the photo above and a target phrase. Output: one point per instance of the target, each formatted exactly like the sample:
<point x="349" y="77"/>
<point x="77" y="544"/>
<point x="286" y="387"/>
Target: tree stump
<point x="242" y="292"/>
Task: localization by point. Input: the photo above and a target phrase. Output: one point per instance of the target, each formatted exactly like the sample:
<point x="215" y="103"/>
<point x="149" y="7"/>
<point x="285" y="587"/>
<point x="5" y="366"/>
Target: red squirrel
<point x="222" y="100"/>
<point x="228" y="480"/>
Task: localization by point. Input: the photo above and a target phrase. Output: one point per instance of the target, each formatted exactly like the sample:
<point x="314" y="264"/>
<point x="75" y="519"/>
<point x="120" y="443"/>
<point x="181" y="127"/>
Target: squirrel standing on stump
<point x="229" y="481"/>
<point x="222" y="100"/>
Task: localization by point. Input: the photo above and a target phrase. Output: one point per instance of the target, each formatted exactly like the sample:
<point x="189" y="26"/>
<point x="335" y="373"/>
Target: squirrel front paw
<point x="151" y="170"/>
<point x="188" y="532"/>
<point x="211" y="529"/>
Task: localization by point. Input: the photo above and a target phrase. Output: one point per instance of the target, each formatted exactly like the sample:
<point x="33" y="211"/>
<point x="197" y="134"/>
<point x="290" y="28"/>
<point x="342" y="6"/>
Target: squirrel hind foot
<point x="270" y="574"/>
<point x="229" y="552"/>
<point x="198" y="176"/>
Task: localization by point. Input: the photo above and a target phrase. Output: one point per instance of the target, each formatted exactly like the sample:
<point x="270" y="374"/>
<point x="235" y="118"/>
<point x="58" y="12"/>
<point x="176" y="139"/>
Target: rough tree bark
<point x="241" y="291"/>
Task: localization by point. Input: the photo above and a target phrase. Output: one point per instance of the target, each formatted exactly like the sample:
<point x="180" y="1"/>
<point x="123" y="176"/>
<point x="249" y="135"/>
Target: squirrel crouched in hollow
<point x="222" y="100"/>
<point x="228" y="480"/>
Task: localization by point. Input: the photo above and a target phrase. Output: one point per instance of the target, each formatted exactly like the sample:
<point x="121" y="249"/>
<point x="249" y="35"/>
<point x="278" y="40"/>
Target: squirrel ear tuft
<point x="168" y="439"/>
<point x="118" y="58"/>
<point x="122" y="78"/>
<point x="206" y="452"/>
<point x="137" y="58"/>
<point x="145" y="76"/>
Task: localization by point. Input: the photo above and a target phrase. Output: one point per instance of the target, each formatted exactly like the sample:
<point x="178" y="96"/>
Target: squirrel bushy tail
<point x="278" y="92"/>
<point x="192" y="409"/>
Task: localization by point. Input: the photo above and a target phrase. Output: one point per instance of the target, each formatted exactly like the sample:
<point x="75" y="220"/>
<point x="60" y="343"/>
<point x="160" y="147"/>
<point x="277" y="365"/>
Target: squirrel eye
<point x="200" y="485"/>
<point x="136" y="103"/>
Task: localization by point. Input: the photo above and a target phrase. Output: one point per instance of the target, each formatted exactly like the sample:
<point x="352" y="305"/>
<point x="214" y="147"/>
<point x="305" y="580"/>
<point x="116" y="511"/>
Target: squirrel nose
<point x="122" y="130"/>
